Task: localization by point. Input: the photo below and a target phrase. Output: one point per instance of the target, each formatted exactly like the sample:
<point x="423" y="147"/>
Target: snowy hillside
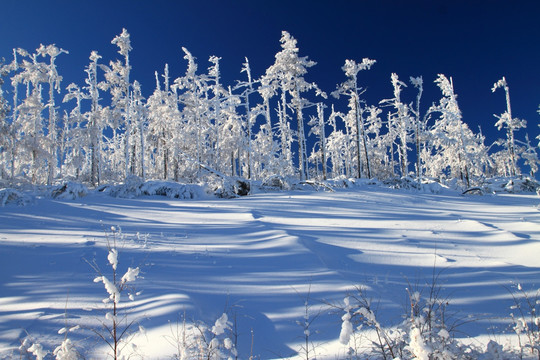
<point x="279" y="264"/>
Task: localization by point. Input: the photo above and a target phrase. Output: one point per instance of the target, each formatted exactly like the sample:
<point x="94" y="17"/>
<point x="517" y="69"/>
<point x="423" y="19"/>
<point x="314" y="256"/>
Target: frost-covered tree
<point x="248" y="88"/>
<point x="233" y="138"/>
<point x="419" y="125"/>
<point x="192" y="92"/>
<point x="117" y="76"/>
<point x="224" y="123"/>
<point x="530" y="156"/>
<point x="138" y="117"/>
<point x="268" y="161"/>
<point x="4" y="106"/>
<point x="54" y="80"/>
<point x="401" y="122"/>
<point x="36" y="134"/>
<point x="83" y="131"/>
<point x="6" y="139"/>
<point x="351" y="89"/>
<point x="96" y="121"/>
<point x="338" y="146"/>
<point x="30" y="122"/>
<point x="163" y="119"/>
<point x="538" y="137"/>
<point x="455" y="147"/>
<point x="287" y="76"/>
<point x="8" y="135"/>
<point x="215" y="114"/>
<point x="511" y="125"/>
<point x="318" y="124"/>
<point x="75" y="137"/>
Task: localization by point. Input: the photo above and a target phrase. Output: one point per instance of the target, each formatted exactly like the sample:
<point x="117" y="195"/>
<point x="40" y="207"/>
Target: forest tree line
<point x="253" y="129"/>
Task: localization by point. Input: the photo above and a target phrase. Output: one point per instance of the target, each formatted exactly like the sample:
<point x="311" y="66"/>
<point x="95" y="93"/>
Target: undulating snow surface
<point x="260" y="258"/>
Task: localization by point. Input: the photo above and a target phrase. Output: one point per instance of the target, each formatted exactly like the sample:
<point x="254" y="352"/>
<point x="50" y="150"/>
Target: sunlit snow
<point x="260" y="259"/>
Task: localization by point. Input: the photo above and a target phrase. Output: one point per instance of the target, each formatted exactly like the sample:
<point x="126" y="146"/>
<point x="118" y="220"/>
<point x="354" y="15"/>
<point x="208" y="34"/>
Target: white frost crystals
<point x="113" y="258"/>
<point x="114" y="289"/>
<point x="346" y="325"/>
<point x="114" y="294"/>
<point x="221" y="325"/>
<point x="130" y="275"/>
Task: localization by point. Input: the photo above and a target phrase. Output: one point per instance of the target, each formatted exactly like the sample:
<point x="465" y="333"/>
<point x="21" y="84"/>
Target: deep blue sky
<point x="476" y="42"/>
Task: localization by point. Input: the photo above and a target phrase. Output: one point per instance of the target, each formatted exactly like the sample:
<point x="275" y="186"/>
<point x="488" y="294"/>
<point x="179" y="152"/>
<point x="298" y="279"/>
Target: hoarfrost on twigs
<point x="37" y="351"/>
<point x="130" y="275"/>
<point x="114" y="294"/>
<point x="221" y="325"/>
<point x="113" y="258"/>
<point x="66" y="351"/>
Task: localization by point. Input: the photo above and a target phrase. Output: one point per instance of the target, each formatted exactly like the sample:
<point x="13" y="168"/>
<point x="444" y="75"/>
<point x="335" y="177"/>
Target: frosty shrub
<point x="513" y="185"/>
<point x="308" y="348"/>
<point x="526" y="320"/>
<point x="28" y="348"/>
<point x="69" y="191"/>
<point x="131" y="188"/>
<point x="275" y="182"/>
<point x="228" y="187"/>
<point x="341" y="182"/>
<point x="197" y="340"/>
<point x="135" y="187"/>
<point x="519" y="185"/>
<point x="116" y="328"/>
<point x="425" y="333"/>
<point x="12" y="197"/>
<point x="66" y="351"/>
<point x="359" y="313"/>
<point x="173" y="190"/>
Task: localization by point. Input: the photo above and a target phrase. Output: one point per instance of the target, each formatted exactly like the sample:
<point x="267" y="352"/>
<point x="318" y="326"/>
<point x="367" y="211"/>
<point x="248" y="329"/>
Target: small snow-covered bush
<point x="197" y="340"/>
<point x="173" y="190"/>
<point x="405" y="182"/>
<point x="522" y="185"/>
<point x="116" y="327"/>
<point x="13" y="197"/>
<point x="526" y="320"/>
<point x="136" y="187"/>
<point x="130" y="189"/>
<point x="434" y="187"/>
<point x="66" y="351"/>
<point x="425" y="333"/>
<point x="230" y="187"/>
<point x="69" y="191"/>
<point x="341" y="182"/>
<point x="513" y="185"/>
<point x="275" y="182"/>
<point x="28" y="348"/>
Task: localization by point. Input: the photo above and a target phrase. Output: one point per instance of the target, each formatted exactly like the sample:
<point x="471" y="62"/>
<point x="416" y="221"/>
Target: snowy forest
<point x="272" y="124"/>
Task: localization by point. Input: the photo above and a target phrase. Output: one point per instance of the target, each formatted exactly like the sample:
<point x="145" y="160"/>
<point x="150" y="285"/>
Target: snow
<point x="113" y="258"/>
<point x="11" y="196"/>
<point x="257" y="263"/>
<point x="130" y="275"/>
<point x="221" y="325"/>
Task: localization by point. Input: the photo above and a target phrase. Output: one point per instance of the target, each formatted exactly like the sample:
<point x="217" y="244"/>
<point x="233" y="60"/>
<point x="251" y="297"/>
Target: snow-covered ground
<point x="264" y="259"/>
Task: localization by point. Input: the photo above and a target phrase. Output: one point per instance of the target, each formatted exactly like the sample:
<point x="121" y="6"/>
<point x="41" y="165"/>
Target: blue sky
<point x="475" y="42"/>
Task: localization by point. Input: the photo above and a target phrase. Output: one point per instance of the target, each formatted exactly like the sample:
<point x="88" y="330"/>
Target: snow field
<point x="264" y="259"/>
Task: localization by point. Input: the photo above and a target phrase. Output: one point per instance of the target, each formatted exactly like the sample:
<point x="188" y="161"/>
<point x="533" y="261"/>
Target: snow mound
<point x="13" y="197"/>
<point x="135" y="187"/>
<point x="69" y="191"/>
